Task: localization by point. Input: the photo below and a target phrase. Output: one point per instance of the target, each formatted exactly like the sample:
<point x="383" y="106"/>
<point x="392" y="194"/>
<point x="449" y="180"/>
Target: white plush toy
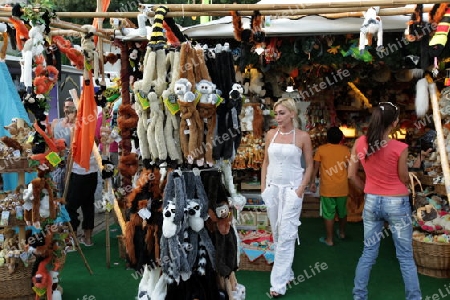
<point x="256" y="83"/>
<point x="142" y="111"/>
<point x="247" y="120"/>
<point x="169" y="228"/>
<point x="205" y="88"/>
<point x="155" y="132"/>
<point x="172" y="123"/>
<point x="372" y="25"/>
<point x="196" y="222"/>
<point x="28" y="200"/>
<point x="34" y="46"/>
<point x="90" y="53"/>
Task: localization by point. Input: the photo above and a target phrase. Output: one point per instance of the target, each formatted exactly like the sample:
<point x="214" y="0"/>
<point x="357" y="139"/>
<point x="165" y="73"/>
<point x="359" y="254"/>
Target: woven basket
<point x="122" y="247"/>
<point x="432" y="259"/>
<point x="259" y="264"/>
<point x="15" y="165"/>
<point x="17" y="285"/>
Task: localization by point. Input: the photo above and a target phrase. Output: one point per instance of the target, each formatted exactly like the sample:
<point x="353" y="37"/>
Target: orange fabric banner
<point x="85" y="125"/>
<point x="105" y="5"/>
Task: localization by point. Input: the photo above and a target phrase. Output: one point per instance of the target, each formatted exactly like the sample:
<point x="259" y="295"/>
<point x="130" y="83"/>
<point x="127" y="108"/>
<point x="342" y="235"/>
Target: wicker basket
<point x="17" y="285"/>
<point x="15" y="165"/>
<point x="432" y="259"/>
<point x="122" y="247"/>
<point x="259" y="264"/>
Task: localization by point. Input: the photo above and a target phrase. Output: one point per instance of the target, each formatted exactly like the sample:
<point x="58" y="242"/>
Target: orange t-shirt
<point x="333" y="160"/>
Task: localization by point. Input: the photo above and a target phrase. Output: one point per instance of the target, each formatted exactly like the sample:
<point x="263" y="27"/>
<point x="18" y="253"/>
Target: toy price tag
<point x="53" y="158"/>
<point x="5" y="218"/>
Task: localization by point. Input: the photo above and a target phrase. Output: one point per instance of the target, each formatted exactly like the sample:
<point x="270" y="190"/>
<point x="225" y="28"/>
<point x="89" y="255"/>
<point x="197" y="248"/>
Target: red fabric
<point x="86" y="122"/>
<point x="381" y="168"/>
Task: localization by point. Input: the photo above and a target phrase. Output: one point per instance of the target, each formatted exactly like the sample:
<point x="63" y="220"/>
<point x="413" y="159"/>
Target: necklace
<point x="286" y="133"/>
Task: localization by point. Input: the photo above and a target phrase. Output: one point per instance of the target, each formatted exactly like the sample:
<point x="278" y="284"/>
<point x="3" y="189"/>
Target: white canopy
<point x="307" y="25"/>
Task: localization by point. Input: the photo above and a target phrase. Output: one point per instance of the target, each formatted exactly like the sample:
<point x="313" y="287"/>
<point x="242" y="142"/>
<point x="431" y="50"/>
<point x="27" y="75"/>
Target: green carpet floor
<point x="334" y="282"/>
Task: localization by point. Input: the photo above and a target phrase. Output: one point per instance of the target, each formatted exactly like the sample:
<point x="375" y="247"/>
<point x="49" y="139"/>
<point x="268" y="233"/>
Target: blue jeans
<point x="397" y="212"/>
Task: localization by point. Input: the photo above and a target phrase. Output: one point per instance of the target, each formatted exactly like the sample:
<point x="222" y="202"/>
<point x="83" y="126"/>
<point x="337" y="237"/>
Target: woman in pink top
<point x="386" y="199"/>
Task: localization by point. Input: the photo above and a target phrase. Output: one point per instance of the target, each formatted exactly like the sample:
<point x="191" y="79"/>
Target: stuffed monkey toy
<point x="191" y="126"/>
<point x="74" y="55"/>
<point x="142" y="106"/>
<point x="155" y="132"/>
<point x="188" y="59"/>
<point x="90" y="53"/>
<point x="172" y="124"/>
<point x="207" y="112"/>
<point x="33" y="47"/>
<point x="372" y="25"/>
<point x="21" y="32"/>
<point x="42" y="280"/>
<point x="39" y="184"/>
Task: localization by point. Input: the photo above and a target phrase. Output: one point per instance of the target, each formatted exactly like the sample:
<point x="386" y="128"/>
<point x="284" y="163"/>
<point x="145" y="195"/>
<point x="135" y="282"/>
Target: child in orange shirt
<point x="332" y="161"/>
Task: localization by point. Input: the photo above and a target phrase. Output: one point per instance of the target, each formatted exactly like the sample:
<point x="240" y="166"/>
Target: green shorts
<point x="330" y="205"/>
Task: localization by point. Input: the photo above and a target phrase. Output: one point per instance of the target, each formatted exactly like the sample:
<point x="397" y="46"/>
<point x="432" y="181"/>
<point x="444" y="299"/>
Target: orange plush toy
<point x="65" y="46"/>
<point x="42" y="281"/>
<point x="39" y="184"/>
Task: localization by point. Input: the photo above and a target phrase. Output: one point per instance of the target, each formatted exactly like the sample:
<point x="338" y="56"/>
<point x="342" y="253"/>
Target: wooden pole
<point x="69" y="166"/>
<point x="440" y="136"/>
<point x="351" y="8"/>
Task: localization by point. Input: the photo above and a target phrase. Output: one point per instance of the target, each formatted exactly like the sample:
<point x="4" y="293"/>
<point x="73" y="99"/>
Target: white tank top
<point x="285" y="167"/>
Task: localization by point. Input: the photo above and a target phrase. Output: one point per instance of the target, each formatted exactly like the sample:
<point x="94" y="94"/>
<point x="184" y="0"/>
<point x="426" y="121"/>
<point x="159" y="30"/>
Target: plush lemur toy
<point x="175" y="265"/>
<point x="191" y="126"/>
<point x="372" y="25"/>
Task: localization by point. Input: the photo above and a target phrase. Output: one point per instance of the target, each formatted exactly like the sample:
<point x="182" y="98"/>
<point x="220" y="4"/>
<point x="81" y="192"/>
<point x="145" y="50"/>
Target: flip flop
<point x="338" y="234"/>
<point x="324" y="240"/>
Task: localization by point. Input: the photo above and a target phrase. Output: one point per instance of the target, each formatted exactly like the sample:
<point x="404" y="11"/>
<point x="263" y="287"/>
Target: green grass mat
<point x="334" y="282"/>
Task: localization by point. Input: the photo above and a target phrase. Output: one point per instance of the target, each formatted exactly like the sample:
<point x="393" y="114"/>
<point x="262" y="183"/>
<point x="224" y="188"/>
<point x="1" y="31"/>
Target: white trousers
<point x="283" y="209"/>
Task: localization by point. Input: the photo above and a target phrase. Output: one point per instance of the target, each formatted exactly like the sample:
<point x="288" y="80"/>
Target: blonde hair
<point x="289" y="103"/>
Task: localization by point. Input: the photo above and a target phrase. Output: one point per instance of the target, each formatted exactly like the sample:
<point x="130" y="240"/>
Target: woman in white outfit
<point x="283" y="183"/>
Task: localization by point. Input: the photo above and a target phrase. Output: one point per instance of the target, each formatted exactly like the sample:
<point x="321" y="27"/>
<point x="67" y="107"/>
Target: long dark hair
<point x="382" y="117"/>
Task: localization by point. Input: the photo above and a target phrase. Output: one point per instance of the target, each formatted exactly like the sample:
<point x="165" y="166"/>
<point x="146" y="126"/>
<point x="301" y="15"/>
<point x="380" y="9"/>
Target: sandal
<point x="82" y="241"/>
<point x="274" y="294"/>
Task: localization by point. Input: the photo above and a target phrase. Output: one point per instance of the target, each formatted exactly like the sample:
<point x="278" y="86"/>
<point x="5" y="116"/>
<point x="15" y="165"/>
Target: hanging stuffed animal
<point x="175" y="261"/>
<point x="207" y="112"/>
<point x="42" y="280"/>
<point x="74" y="55"/>
<point x="439" y="39"/>
<point x="190" y="124"/>
<point x="90" y="53"/>
<point x="155" y="132"/>
<point x="171" y="109"/>
<point x="415" y="29"/>
<point x="372" y="25"/>
<point x="33" y="47"/>
<point x="142" y="105"/>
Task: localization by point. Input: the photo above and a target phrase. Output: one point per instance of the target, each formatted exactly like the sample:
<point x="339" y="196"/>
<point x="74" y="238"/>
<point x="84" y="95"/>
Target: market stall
<point x="193" y="111"/>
